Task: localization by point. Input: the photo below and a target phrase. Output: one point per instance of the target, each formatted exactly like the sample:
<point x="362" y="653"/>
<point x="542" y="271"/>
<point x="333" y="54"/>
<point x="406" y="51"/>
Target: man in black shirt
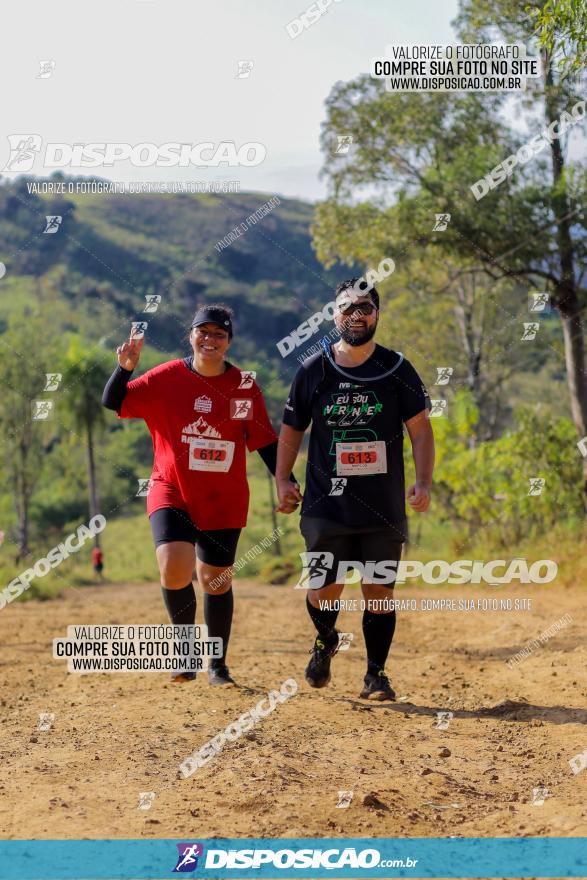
<point x="357" y="395"/>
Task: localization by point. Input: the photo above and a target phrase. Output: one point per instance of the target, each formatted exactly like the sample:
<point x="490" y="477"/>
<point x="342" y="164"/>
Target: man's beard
<point x="359" y="336"/>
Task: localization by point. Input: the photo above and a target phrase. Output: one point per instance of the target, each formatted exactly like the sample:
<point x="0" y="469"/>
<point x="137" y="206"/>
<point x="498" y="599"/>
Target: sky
<point x="161" y="71"/>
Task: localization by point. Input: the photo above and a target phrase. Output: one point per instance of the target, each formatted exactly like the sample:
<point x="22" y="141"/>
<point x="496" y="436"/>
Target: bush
<point x="484" y="489"/>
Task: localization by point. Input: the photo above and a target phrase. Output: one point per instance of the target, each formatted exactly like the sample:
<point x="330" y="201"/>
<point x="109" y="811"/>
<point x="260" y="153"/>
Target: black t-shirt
<point x="355" y="471"/>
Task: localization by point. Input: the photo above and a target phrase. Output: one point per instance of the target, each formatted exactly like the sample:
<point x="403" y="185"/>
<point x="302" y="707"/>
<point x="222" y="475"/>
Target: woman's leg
<point x="216" y="551"/>
<point x="176" y="559"/>
<point x="176" y="565"/>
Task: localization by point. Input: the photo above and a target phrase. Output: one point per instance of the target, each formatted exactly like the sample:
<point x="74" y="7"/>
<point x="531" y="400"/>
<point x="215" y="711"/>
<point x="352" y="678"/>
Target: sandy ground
<point x="116" y="735"/>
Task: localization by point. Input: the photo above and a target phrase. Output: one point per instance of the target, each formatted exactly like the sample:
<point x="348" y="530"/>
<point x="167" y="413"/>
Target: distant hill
<point x="113" y="250"/>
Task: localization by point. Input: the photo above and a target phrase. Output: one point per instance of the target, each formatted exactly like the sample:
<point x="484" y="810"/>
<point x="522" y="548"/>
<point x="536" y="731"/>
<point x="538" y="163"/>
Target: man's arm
<point x="288" y="447"/>
<point x="422" y="440"/>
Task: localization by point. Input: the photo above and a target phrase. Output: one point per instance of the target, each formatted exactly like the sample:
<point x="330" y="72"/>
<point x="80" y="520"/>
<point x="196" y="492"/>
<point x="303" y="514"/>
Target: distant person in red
<point x="98" y="561"/>
<point x="203" y="414"/>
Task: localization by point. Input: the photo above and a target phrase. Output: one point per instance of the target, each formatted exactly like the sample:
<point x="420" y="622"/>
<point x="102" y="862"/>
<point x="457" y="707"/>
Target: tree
<point x="442" y="316"/>
<point x="421" y="152"/>
<point x="23" y="422"/>
<point x="85" y="372"/>
<point x="561" y="27"/>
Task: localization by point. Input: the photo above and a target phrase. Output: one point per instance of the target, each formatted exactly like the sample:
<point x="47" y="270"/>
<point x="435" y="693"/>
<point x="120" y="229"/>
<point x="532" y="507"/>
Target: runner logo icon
<point x="187" y="860"/>
<point x="338" y="485"/>
<point x="316" y="567"/>
<point x="241" y="409"/>
<point x="247" y="378"/>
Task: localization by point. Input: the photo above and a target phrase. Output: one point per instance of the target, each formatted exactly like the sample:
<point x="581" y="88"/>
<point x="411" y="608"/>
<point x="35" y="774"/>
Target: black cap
<point x="209" y="315"/>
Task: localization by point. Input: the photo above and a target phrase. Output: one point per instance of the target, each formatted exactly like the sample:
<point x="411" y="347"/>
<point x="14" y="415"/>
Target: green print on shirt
<point x="348" y="411"/>
<point x="354" y="435"/>
<point x="351" y="408"/>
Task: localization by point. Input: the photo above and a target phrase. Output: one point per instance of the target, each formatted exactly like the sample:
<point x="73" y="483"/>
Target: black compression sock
<point x="378" y="630"/>
<point x="181" y="604"/>
<point x="218" y="617"/>
<point x="323" y="619"/>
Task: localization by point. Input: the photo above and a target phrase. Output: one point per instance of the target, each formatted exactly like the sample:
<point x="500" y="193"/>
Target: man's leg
<point x="324" y="542"/>
<point x="379" y="616"/>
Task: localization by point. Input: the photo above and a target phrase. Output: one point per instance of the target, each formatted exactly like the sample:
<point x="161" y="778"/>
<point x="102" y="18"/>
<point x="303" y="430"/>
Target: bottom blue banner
<point x="304" y="857"/>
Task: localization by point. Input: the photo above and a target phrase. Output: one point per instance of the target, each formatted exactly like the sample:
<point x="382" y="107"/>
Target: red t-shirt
<point x="200" y="427"/>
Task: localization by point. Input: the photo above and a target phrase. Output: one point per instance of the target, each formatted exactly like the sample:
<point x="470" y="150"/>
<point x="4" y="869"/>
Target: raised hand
<point x="129" y="352"/>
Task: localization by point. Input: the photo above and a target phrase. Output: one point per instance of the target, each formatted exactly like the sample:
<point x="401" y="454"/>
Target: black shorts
<point x="214" y="547"/>
<point x="365" y="544"/>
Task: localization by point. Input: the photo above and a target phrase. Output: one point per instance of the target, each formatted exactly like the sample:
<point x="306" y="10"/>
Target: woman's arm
<point x="128" y="357"/>
<point x="269" y="455"/>
<point x="115" y="389"/>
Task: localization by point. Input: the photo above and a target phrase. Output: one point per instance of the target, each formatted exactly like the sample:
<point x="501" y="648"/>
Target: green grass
<point x="128" y="547"/>
<point x="129" y="554"/>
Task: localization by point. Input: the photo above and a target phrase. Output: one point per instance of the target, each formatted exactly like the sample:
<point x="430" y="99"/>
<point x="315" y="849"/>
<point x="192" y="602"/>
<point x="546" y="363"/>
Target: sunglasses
<point x="349" y="308"/>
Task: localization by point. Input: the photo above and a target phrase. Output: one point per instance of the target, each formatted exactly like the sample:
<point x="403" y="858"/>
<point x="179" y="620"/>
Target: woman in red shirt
<point x="203" y="413"/>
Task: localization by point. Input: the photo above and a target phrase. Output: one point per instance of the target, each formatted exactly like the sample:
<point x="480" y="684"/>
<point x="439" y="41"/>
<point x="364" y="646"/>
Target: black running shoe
<point x="318" y="669"/>
<point x="377" y="686"/>
<point x="219" y="675"/>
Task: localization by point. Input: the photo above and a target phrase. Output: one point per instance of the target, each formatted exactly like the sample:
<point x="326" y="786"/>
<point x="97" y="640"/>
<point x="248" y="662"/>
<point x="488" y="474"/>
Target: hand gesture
<point x="130" y="352"/>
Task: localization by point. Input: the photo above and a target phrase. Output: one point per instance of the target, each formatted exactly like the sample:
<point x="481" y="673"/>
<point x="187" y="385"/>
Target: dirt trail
<point x="116" y="735"/>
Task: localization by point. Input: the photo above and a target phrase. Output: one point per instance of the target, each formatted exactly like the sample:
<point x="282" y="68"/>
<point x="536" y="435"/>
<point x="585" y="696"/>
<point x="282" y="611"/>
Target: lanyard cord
<point x="326" y="350"/>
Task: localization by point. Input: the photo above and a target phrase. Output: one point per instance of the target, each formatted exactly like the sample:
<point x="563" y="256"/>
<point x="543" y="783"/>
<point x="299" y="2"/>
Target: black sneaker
<point x="219" y="675"/>
<point x="318" y="669"/>
<point x="377" y="686"/>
